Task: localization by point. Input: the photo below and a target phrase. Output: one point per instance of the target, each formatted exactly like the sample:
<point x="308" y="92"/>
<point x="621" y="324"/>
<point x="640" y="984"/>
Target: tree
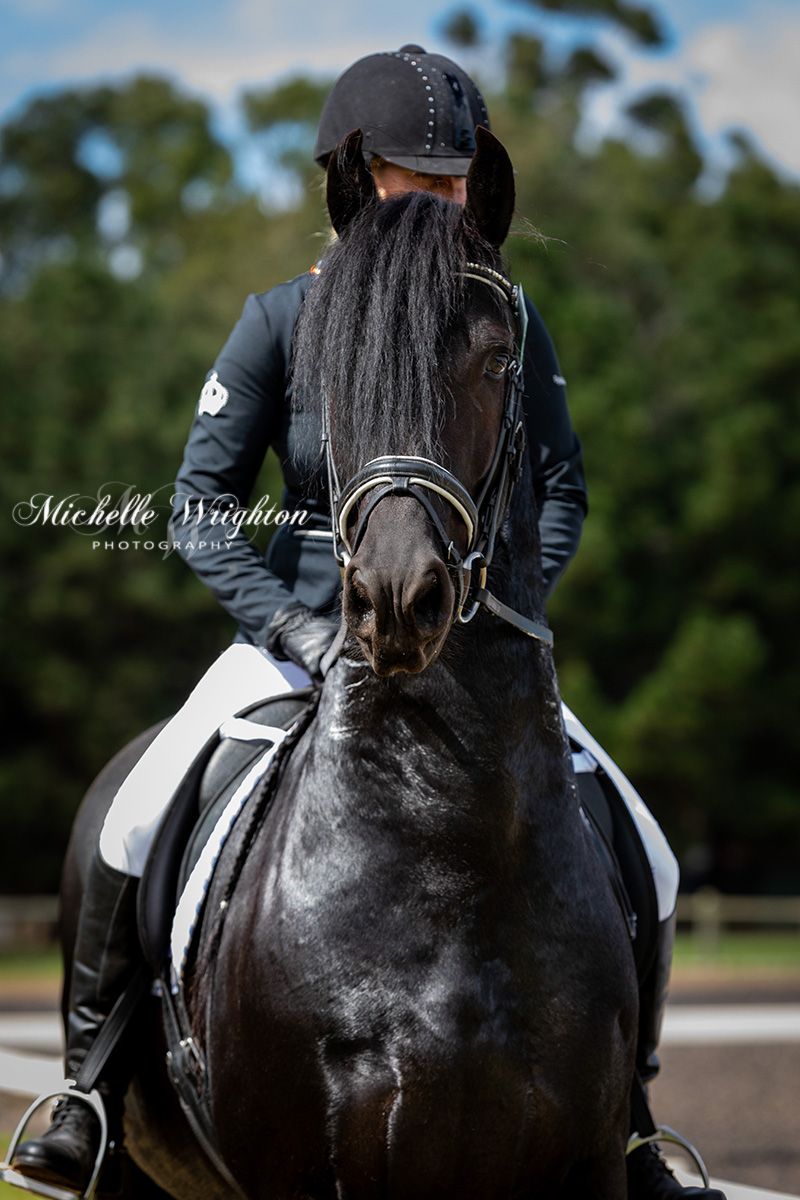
<point x="675" y="317"/>
<point x="463" y="28"/>
<point x="143" y="146"/>
<point x="641" y="22"/>
<point x="283" y="120"/>
<point x="101" y="375"/>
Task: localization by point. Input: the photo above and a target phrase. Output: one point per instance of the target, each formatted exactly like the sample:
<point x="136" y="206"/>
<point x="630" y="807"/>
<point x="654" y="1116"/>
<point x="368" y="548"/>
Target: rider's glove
<point x="298" y="634"/>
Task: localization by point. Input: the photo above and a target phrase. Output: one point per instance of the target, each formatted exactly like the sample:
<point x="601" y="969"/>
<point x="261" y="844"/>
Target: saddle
<point x="620" y="849"/>
<point x="217" y="773"/>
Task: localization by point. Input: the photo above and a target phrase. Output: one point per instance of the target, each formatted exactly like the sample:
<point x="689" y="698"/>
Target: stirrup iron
<point x="94" y="1101"/>
<point x="665" y="1134"/>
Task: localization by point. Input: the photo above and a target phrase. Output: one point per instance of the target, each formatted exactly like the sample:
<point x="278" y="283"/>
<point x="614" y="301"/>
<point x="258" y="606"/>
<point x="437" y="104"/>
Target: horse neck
<point x="513" y="674"/>
<point x="483" y="723"/>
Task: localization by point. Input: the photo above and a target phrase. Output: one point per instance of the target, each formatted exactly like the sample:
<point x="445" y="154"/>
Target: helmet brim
<point x="425" y="164"/>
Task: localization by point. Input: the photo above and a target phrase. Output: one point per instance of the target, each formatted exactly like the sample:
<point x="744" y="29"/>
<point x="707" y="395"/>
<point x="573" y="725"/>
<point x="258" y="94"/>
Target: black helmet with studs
<point x="414" y="109"/>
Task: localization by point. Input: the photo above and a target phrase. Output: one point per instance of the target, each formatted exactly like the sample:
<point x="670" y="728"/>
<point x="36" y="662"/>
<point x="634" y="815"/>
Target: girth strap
<point x="605" y="852"/>
<point x="186" y="1067"/>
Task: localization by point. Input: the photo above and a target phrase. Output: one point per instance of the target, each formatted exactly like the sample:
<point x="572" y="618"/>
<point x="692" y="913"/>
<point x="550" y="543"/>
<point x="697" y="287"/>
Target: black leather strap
<point x="516" y="619"/>
<point x="186" y="1068"/>
<point x="112" y="1030"/>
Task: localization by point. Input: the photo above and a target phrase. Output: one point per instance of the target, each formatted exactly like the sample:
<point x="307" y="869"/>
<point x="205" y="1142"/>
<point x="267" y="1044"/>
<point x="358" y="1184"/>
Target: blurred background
<point x="146" y="187"/>
<point x="155" y="167"/>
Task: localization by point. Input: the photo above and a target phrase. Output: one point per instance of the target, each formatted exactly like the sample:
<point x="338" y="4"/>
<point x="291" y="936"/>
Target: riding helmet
<point x="414" y="109"/>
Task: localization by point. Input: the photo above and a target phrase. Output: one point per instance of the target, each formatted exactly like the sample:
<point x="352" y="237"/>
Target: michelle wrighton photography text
<point x="119" y="509"/>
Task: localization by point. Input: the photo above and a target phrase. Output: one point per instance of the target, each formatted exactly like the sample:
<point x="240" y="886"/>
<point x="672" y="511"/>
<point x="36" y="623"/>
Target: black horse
<point x="423" y="986"/>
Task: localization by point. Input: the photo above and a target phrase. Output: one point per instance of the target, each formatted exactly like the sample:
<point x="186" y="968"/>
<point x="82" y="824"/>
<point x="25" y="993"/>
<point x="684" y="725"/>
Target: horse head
<point x="421" y="419"/>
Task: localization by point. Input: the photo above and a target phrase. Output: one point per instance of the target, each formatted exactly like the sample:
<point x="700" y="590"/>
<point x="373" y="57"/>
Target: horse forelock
<point x="373" y="337"/>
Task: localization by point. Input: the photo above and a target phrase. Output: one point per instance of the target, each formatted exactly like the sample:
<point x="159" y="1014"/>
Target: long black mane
<point x="376" y="321"/>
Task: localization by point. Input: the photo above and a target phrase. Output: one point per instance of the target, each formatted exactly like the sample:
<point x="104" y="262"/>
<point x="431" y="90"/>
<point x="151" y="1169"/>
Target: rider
<point x="418" y="113"/>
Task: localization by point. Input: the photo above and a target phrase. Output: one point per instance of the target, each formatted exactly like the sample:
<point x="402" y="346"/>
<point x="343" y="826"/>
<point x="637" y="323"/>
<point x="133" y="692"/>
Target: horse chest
<point x="411" y="1070"/>
<point x="422" y="986"/>
<point x="421" y="982"/>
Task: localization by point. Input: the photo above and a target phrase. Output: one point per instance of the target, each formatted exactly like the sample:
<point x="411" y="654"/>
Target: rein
<point x="409" y="475"/>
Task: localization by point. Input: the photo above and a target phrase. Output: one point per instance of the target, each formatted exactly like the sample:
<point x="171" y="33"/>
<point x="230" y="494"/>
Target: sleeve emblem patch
<point x="213" y="396"/>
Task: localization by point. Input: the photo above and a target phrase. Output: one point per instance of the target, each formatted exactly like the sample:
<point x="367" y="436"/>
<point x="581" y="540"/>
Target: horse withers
<point x="422" y="986"/>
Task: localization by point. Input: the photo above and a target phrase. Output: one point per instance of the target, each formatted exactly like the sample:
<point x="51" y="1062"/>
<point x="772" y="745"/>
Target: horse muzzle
<point x="400" y="606"/>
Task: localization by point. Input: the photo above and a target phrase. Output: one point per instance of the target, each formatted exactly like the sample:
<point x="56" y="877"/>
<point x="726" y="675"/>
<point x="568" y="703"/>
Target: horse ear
<point x="350" y="184"/>
<point x="490" y="188"/>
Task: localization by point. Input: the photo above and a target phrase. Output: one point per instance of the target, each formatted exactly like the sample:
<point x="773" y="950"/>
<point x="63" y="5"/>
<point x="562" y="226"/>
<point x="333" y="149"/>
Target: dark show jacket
<point x="250" y="387"/>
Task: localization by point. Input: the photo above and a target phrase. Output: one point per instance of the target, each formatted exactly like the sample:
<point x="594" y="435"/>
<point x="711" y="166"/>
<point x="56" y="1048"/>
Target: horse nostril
<point x="432" y="603"/>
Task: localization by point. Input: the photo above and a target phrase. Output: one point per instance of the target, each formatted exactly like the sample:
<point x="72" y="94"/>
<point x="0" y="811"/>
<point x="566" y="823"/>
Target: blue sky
<point x="737" y="61"/>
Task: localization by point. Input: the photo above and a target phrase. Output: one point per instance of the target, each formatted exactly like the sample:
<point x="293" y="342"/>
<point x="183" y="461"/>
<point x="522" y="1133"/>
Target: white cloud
<point x="735" y="75"/>
<point x="126" y="43"/>
<point x="258" y="40"/>
<point x="751" y="78"/>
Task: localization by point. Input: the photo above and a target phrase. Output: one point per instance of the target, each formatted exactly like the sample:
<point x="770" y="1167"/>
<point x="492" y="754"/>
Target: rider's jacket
<point x="246" y="407"/>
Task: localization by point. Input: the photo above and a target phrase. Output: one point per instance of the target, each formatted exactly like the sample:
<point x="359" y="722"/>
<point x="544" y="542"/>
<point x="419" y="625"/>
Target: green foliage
<point x="675" y="318"/>
<point x="101" y="376"/>
<point x="297" y="100"/>
<point x="640" y="22"/>
<point x="143" y="145"/>
<point x="463" y="28"/>
<point x="585" y="66"/>
<point x="284" y="120"/>
<point x="525" y="69"/>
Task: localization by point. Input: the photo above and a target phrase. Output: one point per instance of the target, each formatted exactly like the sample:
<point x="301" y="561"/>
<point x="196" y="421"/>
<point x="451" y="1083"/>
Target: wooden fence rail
<point x="27" y="920"/>
<point x="707" y="912"/>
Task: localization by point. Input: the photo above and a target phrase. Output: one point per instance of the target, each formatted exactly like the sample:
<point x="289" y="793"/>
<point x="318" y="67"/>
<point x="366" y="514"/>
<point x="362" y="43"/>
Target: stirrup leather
<point x="94" y="1101"/>
<point x="664" y="1134"/>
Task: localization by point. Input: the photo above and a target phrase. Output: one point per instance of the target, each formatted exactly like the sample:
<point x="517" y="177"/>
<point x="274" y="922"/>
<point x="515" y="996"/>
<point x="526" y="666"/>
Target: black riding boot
<point x="106" y="956"/>
<point x="649" y="1177"/>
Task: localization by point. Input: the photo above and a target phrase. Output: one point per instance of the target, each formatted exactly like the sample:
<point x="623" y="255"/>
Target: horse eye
<point x="498" y="364"/>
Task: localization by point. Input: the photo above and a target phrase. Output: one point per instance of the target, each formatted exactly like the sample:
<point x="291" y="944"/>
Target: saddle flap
<point x="158" y="885"/>
<point x="610" y="813"/>
<point x="192" y="813"/>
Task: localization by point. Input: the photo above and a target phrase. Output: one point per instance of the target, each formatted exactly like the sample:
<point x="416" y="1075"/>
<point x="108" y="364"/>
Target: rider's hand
<point x="298" y="634"/>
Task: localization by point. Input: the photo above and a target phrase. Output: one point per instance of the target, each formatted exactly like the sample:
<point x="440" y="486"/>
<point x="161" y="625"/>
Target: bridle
<point x="409" y="475"/>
